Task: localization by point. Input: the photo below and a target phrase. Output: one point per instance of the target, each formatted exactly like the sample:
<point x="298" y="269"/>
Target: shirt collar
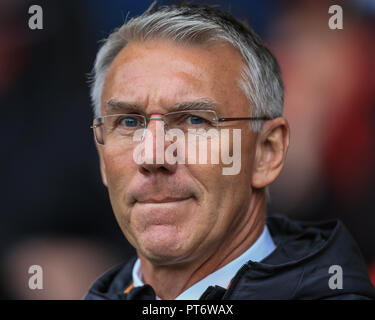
<point x="260" y="249"/>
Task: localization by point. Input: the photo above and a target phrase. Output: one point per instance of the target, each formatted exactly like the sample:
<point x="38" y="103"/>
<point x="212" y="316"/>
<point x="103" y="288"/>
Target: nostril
<point x="144" y="170"/>
<point x="164" y="169"/>
<point x="152" y="169"/>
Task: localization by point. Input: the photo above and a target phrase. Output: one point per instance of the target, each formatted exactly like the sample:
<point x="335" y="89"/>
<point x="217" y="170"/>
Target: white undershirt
<point x="260" y="249"/>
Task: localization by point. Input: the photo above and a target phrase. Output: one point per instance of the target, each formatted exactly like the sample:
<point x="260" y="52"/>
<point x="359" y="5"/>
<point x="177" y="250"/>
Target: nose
<point x="155" y="146"/>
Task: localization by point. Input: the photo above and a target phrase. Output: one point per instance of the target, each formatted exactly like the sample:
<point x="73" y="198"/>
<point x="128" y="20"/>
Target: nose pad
<point x="165" y="126"/>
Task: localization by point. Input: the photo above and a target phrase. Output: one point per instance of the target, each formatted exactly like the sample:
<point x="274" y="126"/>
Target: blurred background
<point x="55" y="211"/>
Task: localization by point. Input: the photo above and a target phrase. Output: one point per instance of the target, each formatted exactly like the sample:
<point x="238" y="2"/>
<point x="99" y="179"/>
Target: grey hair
<point x="260" y="78"/>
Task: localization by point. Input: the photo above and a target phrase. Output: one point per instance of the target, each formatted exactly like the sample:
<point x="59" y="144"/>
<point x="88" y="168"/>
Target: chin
<point x="163" y="257"/>
<point x="163" y="247"/>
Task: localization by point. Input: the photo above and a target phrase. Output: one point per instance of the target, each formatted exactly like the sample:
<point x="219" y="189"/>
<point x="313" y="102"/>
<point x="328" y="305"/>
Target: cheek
<point x="225" y="195"/>
<point x="119" y="169"/>
<point x="119" y="166"/>
<point x="222" y="180"/>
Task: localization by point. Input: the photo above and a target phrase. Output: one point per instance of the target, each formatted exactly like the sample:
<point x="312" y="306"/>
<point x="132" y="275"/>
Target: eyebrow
<point x="199" y="104"/>
<point x="121" y="106"/>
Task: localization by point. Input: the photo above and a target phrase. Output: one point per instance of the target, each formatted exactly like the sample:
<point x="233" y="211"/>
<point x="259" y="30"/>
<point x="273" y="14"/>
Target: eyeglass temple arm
<point x="242" y="118"/>
<point x="93" y="126"/>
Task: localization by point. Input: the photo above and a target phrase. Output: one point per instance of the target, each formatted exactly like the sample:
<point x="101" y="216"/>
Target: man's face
<point x="177" y="213"/>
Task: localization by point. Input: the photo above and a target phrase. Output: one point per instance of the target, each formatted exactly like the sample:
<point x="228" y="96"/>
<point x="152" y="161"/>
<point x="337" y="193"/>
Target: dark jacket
<point x="299" y="268"/>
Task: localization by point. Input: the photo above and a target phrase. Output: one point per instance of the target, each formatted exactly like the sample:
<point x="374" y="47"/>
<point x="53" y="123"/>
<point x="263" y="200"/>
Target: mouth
<point x="162" y="200"/>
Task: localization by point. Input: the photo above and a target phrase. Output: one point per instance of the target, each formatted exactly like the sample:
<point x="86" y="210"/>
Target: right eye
<point x="195" y="120"/>
<point x="129" y="122"/>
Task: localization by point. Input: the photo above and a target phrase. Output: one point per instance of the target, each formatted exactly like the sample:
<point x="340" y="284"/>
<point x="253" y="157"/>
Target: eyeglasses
<point x="113" y="129"/>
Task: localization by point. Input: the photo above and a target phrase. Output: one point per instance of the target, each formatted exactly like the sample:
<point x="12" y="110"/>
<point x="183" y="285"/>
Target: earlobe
<point x="271" y="149"/>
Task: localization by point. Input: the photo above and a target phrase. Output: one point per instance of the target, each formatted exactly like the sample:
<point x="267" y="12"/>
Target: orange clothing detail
<point x="128" y="289"/>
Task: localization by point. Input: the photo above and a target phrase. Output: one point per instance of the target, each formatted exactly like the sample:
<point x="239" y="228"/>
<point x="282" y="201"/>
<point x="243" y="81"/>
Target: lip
<point x="163" y="200"/>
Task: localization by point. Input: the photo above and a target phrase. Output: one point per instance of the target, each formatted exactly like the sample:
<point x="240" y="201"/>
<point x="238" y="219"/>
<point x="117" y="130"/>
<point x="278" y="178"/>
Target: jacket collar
<point x="297" y="269"/>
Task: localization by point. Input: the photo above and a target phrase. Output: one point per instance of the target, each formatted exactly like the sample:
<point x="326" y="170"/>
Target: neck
<point x="171" y="280"/>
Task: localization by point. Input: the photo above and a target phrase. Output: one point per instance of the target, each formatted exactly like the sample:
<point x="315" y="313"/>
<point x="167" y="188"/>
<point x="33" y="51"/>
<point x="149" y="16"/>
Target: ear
<point x="102" y="164"/>
<point x="271" y="148"/>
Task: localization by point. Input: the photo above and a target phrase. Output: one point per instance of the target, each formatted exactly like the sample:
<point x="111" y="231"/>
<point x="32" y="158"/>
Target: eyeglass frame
<point x="148" y="119"/>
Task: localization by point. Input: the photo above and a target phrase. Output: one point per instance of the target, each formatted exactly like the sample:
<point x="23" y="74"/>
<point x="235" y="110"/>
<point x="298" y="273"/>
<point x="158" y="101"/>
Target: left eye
<point x="129" y="122"/>
<point x="195" y="120"/>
